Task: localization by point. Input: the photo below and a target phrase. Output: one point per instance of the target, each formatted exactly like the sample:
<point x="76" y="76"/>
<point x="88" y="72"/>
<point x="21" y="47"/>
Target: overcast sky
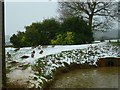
<point x="20" y="14"/>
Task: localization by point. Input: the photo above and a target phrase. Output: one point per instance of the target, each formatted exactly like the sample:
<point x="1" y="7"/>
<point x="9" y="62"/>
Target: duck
<point x="25" y="57"/>
<point x="17" y="49"/>
<point x="8" y="54"/>
<point x="41" y="51"/>
<point x="32" y="55"/>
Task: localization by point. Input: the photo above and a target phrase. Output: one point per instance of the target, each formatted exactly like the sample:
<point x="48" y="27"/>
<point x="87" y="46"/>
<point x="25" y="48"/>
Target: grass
<point x="115" y="43"/>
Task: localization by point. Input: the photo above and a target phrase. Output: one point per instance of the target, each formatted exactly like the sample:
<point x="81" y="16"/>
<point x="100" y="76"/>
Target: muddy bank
<point x="102" y="77"/>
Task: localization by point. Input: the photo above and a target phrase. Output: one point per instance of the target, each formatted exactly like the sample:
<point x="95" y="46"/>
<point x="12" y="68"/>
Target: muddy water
<point x="103" y="77"/>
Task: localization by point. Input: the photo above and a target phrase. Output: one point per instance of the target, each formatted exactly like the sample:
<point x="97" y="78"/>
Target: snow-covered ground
<point x="46" y="51"/>
<point x="39" y="69"/>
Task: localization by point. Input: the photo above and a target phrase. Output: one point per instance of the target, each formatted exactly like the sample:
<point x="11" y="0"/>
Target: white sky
<point x="20" y="14"/>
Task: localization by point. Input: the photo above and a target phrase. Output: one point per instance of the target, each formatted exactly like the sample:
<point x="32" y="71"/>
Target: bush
<point x="72" y="30"/>
<point x="63" y="39"/>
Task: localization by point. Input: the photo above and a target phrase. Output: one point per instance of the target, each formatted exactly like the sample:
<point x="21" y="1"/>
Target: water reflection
<point x="103" y="77"/>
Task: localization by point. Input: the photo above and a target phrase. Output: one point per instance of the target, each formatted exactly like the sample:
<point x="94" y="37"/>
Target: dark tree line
<point x="73" y="30"/>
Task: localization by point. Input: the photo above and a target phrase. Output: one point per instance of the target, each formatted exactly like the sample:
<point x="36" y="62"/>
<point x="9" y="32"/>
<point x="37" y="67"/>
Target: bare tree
<point x="99" y="15"/>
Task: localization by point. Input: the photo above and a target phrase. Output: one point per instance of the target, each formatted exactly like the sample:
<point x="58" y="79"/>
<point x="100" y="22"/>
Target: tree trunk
<point x="90" y="21"/>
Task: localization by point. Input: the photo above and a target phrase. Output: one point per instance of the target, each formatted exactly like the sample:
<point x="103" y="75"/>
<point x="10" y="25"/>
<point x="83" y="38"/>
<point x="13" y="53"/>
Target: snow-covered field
<point x="47" y="51"/>
<point x="36" y="71"/>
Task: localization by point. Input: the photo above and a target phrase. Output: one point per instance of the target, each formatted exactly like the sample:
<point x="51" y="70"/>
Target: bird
<point x="39" y="47"/>
<point x="33" y="51"/>
<point x="41" y="52"/>
<point x="25" y="57"/>
<point x="17" y="49"/>
<point x="8" y="54"/>
<point x="32" y="55"/>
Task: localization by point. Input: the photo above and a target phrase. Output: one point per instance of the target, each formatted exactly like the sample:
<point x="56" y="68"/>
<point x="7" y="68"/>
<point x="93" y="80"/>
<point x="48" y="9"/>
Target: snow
<point x="55" y="57"/>
<point x="46" y="51"/>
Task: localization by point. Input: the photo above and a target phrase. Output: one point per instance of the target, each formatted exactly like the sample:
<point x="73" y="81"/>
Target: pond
<point x="102" y="77"/>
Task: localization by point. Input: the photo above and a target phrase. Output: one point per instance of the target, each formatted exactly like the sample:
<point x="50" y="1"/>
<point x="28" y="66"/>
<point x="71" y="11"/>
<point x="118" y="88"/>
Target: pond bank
<point x="68" y="69"/>
<point x="43" y="68"/>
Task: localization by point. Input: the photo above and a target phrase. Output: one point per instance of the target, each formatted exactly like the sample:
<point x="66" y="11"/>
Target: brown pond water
<point x="102" y="77"/>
